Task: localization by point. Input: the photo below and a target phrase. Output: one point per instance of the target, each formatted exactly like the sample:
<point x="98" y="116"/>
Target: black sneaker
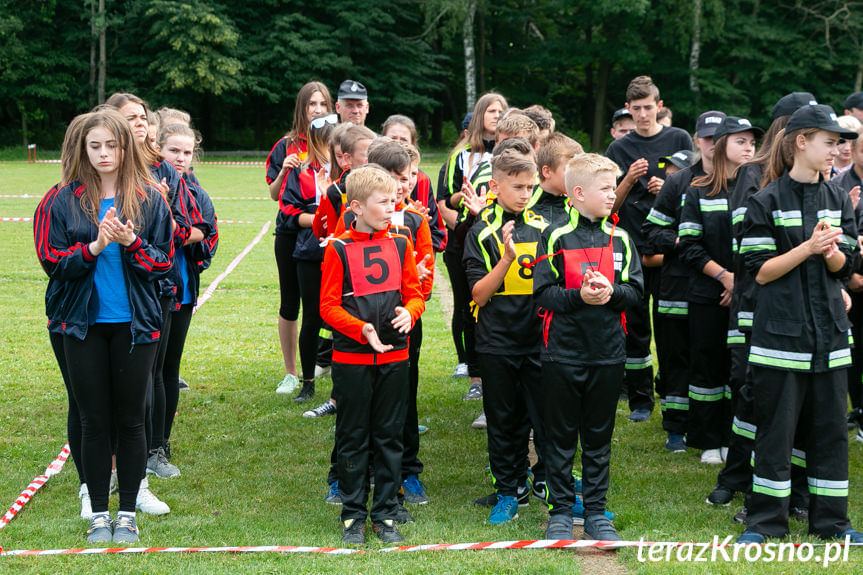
<point x="601" y="528"/>
<point x="387" y="531"/>
<point x="489" y="500"/>
<point x="402" y="515"/>
<point x="720" y="496"/>
<point x="182" y="384"/>
<point x="854" y="418"/>
<point x="306" y="393"/>
<point x="539" y="490"/>
<point x="799" y="513"/>
<point x="354" y="532"/>
<point x="559" y="527"/>
<point x="741" y="516"/>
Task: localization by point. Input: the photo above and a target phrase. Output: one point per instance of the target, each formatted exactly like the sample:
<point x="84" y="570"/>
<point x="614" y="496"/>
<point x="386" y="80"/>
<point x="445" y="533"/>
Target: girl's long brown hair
<point x="120" y="99"/>
<point x="132" y="172"/>
<point x="473" y="138"/>
<point x="782" y="153"/>
<point x="300" y="125"/>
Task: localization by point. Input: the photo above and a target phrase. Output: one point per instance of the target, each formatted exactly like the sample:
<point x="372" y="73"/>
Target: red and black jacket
<point x="422" y="193"/>
<point x="281" y="150"/>
<point x="62" y="233"/>
<point x="365" y="277"/>
<point x="299" y="196"/>
<point x="332" y="206"/>
<point x="200" y="254"/>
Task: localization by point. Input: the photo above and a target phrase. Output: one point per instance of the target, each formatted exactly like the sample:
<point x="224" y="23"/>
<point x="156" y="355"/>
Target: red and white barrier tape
<point x="135" y="550"/>
<point x="211" y="289"/>
<point x="35" y="485"/>
<point x="16" y="219"/>
<point x="235" y="198"/>
<point x="17" y="196"/>
<point x="236" y="222"/>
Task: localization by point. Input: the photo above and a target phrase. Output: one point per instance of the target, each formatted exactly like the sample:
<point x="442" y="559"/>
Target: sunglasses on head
<point x="321" y="121"/>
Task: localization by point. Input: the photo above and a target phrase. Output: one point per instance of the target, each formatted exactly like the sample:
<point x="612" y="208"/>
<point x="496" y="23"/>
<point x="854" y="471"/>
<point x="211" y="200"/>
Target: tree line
<point x="236" y="66"/>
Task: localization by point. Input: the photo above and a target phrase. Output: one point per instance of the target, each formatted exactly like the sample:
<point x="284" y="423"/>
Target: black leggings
<point x="73" y="418"/>
<point x="463" y="323"/>
<point x="289" y="285"/>
<point x="155" y="415"/>
<point x="309" y="277"/>
<point x="180" y="320"/>
<point x="109" y="379"/>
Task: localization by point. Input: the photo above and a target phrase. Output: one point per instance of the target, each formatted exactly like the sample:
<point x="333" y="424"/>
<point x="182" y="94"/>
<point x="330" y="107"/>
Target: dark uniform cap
<point x="618" y="114"/>
<point x="351" y="90"/>
<point x="682" y="159"/>
<point x="466" y="121"/>
<point x="855" y="100"/>
<point x="708" y="122"/>
<point x="818" y="116"/>
<point x="788" y="104"/>
<point x="735" y="125"/>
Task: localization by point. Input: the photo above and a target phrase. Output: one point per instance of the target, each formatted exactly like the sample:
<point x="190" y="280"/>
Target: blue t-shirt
<point x="180" y="262"/>
<point x="110" y="301"/>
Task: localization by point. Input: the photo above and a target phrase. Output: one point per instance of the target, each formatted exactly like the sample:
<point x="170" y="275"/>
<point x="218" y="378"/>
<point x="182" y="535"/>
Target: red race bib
<point x="374" y="266"/>
<point x="577" y="262"/>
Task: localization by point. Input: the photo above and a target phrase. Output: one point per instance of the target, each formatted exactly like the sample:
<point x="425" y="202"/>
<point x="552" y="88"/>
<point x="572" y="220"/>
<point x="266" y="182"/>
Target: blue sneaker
<point x="577" y="479"/>
<point x="853" y="535"/>
<point x="639" y="415"/>
<point x="333" y="497"/>
<point x="748" y="537"/>
<point x="676" y="443"/>
<point x="505" y="510"/>
<point x="414" y="490"/>
<point x="578" y="512"/>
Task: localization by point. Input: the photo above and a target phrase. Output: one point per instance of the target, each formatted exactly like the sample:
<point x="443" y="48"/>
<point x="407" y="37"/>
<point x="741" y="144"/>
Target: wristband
<point x="716" y="277"/>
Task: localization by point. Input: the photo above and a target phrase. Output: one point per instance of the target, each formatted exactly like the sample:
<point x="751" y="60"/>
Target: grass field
<point x="254" y="470"/>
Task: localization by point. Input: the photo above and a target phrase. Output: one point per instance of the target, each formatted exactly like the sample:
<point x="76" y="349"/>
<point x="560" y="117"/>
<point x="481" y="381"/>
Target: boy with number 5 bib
<point x="371" y="297"/>
<point x="587" y="273"/>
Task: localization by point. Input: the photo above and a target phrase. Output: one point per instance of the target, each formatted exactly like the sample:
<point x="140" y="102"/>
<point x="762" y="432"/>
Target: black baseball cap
<point x="618" y="114"/>
<point x="818" y="116"/>
<point x="351" y="90"/>
<point x="788" y="104"/>
<point x="466" y="120"/>
<point x="735" y="125"/>
<point x="708" y="122"/>
<point x="682" y="159"/>
<point x="855" y="100"/>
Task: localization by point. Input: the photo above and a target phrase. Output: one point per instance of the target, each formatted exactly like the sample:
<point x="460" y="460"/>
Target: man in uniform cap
<point x="353" y="102"/>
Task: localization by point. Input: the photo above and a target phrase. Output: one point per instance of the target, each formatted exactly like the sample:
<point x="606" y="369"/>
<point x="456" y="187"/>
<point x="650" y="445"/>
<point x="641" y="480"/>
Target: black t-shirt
<point x="654" y="149"/>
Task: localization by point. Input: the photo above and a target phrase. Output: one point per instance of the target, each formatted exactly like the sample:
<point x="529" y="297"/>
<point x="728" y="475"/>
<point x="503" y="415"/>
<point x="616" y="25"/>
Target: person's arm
<point x="634" y="171"/>
<point x="629" y="290"/>
<point x="332" y="312"/>
<point x="486" y="286"/>
<point x="292" y="203"/>
<point x="693" y="251"/>
<point x="425" y="256"/>
<point x="660" y="226"/>
<point x="412" y="297"/>
<point x="60" y="257"/>
<point x="549" y="284"/>
<point x="150" y="251"/>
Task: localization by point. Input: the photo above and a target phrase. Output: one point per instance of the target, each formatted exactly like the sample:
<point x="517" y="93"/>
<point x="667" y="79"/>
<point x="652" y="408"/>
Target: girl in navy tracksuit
<point x="304" y="186"/>
<point x="706" y="247"/>
<point x="800" y="242"/>
<point x="178" y="143"/>
<point x="105" y="238"/>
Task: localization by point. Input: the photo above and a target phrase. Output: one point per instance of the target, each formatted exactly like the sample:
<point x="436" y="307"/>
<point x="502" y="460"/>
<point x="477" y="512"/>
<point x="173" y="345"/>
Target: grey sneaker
<point x="125" y="529"/>
<point x="100" y="529"/>
<point x="158" y="464"/>
<point x="479" y="422"/>
<point x="354" y="532"/>
<point x="323" y="410"/>
<point x="86" y="508"/>
<point x="288" y="384"/>
<point x="387" y="531"/>
<point x="601" y="528"/>
<point x="474" y="391"/>
<point x="461" y="371"/>
<point x="559" y="527"/>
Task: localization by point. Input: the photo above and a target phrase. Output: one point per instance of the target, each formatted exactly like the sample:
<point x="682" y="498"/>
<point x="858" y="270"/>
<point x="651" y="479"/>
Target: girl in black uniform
<point x="706" y="247"/>
<point x="104" y="239"/>
<point x="799" y="242"/>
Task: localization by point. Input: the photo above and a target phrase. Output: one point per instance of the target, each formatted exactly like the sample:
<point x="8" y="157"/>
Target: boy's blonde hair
<point x="365" y="180"/>
<point x="518" y="124"/>
<point x="554" y="150"/>
<point x="583" y="169"/>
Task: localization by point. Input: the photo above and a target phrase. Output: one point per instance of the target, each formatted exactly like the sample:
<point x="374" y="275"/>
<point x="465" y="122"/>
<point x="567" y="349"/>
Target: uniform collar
<point x="359" y="236"/>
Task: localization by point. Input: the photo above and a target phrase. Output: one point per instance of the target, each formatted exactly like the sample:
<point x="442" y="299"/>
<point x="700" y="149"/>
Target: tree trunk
<point x="469" y="56"/>
<point x="103" y="24"/>
<point x="599" y="114"/>
<point x="695" y="52"/>
<point x="858" y="81"/>
<point x="24" y="138"/>
<point x="91" y="97"/>
<point x="481" y="56"/>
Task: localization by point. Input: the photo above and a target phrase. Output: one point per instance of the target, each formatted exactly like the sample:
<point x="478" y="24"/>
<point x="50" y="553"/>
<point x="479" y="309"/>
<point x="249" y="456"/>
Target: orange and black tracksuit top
<point x="414" y="226"/>
<point x="62" y="233"/>
<point x="365" y="277"/>
<point x="333" y="205"/>
<point x="422" y="193"/>
<point x="574" y="332"/>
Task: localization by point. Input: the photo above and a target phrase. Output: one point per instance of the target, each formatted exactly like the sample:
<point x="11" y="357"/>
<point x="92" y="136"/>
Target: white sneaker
<point x="112" y="485"/>
<point x="461" y="371"/>
<point x="723" y="453"/>
<point x="479" y="422"/>
<point x="711" y="456"/>
<point x="288" y="384"/>
<point x="149" y="503"/>
<point x="322" y="371"/>
<point x="86" y="507"/>
<point x="859" y="436"/>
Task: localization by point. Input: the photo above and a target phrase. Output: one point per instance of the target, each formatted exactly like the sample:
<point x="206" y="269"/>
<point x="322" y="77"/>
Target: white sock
<point x="126" y="514"/>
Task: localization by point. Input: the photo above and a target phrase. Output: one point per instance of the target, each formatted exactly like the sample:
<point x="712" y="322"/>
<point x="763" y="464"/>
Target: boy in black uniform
<point x="370" y="295"/>
<point x="497" y="249"/>
<point x="588" y="272"/>
<point x="671" y="321"/>
<point x="640" y="156"/>
<point x="553" y="154"/>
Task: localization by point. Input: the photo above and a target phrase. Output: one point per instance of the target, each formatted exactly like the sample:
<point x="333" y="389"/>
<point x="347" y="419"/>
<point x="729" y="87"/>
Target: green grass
<point x="254" y="470"/>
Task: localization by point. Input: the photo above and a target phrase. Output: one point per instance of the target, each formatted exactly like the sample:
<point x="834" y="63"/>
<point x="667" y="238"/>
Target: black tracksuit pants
<point x="639" y="362"/>
<point x="372" y="402"/>
<point x="510" y="382"/>
<point x="463" y="322"/>
<point x="811" y="406"/>
<point x="737" y="472"/>
<point x="672" y="347"/>
<point x="709" y="410"/>
<point x="585" y="401"/>
<point x="855" y="371"/>
<point x="411" y="464"/>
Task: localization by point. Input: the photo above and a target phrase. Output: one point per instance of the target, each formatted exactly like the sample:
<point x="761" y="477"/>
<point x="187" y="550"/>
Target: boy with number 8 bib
<point x="371" y="297"/>
<point x="587" y="273"/>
